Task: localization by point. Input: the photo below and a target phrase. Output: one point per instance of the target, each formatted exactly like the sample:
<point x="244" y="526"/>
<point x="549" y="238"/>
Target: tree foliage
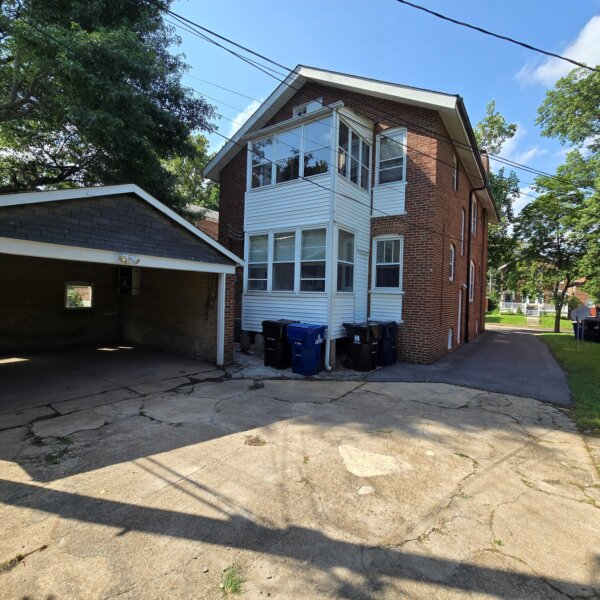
<point x="90" y="93"/>
<point x="190" y="185"/>
<point x="493" y="130"/>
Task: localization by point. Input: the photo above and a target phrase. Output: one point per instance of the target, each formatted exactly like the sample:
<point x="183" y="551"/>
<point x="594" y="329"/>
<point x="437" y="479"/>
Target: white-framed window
<point x="474" y="208"/>
<point x="354" y="156"/>
<point x="391" y="156"/>
<point x="450" y="338"/>
<point x="284" y="261"/>
<point x="455" y="173"/>
<point x="303" y="109"/>
<point x="471" y="281"/>
<point x="258" y="262"/>
<point x="79" y="295"/>
<point x="387" y="263"/>
<point x="462" y="231"/>
<point x="288" y="155"/>
<point x="345" y="261"/>
<point x="312" y="260"/>
<point x="452" y="256"/>
<point x="291" y="260"/>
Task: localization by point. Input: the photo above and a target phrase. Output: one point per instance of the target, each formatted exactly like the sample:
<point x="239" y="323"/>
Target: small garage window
<point x="78" y="295"/>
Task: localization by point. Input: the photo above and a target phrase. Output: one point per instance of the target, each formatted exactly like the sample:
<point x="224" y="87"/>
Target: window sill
<point x="392" y="291"/>
<point x="284" y="294"/>
<point x="391" y="184"/>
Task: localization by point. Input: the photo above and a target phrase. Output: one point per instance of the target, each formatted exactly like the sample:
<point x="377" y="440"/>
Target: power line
<point x="497" y="35"/>
<point x="393" y="118"/>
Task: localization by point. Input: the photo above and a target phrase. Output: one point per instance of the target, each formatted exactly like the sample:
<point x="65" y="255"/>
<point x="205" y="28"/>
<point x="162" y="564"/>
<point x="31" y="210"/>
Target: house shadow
<point x="374" y="566"/>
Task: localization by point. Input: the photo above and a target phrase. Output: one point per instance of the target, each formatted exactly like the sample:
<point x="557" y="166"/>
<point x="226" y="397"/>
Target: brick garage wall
<point x="32" y="313"/>
<point x="175" y="311"/>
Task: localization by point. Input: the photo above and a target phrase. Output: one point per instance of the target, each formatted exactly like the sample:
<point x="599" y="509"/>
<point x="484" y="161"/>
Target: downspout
<point x="469" y="234"/>
<point x="332" y="270"/>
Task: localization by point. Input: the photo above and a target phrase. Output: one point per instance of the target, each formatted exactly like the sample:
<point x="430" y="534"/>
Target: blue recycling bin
<point x="578" y="334"/>
<point x="306" y="340"/>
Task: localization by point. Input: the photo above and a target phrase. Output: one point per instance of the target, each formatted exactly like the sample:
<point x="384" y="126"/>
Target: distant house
<point x="354" y="199"/>
<point x="576" y="291"/>
<point x="204" y="219"/>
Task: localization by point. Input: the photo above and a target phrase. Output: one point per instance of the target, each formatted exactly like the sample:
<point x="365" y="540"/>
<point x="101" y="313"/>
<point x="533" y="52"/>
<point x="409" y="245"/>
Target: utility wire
<point x="393" y="118"/>
<point x="497" y="35"/>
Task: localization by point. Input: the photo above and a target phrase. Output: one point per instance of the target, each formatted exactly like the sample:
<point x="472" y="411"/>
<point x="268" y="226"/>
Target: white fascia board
<point x="381" y="89"/>
<point x="293" y="122"/>
<point x="114" y="190"/>
<point x="107" y="257"/>
<point x="282" y="92"/>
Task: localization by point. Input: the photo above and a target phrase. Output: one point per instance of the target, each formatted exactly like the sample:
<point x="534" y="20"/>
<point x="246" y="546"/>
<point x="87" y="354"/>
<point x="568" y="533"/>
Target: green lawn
<point x="583" y="370"/>
<point x="521" y="321"/>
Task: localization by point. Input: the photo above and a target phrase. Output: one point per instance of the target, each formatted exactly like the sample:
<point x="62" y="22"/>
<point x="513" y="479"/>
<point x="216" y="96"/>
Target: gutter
<point x="470" y="233"/>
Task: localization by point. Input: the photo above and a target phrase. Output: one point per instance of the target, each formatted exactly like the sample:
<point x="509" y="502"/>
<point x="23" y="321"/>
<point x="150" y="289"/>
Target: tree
<point x="570" y="113"/>
<point x="90" y="93"/>
<point x="190" y="185"/>
<point x="552" y="246"/>
<point x="491" y="134"/>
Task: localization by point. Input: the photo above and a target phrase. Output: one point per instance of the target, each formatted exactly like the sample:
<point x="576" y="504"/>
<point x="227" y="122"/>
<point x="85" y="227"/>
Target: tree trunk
<point x="557" y="311"/>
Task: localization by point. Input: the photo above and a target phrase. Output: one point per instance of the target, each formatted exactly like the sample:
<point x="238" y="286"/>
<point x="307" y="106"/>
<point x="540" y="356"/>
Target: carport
<point x="110" y="266"/>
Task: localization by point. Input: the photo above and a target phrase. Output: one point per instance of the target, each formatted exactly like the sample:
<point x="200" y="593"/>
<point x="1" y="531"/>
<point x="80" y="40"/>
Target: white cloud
<point x="586" y="49"/>
<point x="242" y="117"/>
<point x="511" y="149"/>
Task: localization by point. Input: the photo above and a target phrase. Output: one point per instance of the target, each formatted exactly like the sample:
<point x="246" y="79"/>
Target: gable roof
<point x="450" y="107"/>
<point x="25" y="198"/>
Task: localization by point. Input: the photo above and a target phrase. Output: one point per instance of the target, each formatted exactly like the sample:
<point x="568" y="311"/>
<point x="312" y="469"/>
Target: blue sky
<point x="387" y="40"/>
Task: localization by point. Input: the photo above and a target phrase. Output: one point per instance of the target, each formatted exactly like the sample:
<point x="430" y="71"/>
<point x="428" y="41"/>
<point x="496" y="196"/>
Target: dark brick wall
<point x="124" y="224"/>
<point x="432" y="222"/>
<point x="32" y="313"/>
<point x="175" y="310"/>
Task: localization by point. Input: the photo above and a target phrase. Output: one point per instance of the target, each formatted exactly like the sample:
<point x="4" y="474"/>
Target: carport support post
<point x="221" y="319"/>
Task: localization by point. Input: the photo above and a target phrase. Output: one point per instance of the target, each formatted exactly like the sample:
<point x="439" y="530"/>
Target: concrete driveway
<point x="316" y="489"/>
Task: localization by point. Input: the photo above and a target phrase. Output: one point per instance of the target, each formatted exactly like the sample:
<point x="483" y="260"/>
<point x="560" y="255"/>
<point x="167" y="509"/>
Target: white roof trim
<point x="107" y="257"/>
<point x="112" y="190"/>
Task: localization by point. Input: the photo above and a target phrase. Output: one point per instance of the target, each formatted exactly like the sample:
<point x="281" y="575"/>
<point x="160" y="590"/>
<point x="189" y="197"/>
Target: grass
<point x="547" y="321"/>
<point x="583" y="370"/>
<point x="232" y="580"/>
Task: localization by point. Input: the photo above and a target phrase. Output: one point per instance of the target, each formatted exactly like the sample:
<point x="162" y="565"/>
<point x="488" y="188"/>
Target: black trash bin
<point x="277" y="347"/>
<point x="363" y="339"/>
<point x="386" y="348"/>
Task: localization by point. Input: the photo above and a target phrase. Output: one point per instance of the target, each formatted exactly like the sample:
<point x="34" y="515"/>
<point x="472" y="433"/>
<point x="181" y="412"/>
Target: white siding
<point x="257" y="308"/>
<point x="354" y="215"/>
<point x="343" y="312"/>
<point x="291" y="204"/>
<point x="386" y="306"/>
<point x="389" y="199"/>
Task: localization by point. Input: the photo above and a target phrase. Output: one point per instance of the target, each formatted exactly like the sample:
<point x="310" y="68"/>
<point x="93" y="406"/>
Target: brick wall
<point x="175" y="310"/>
<point x="32" y="300"/>
<point x="432" y="223"/>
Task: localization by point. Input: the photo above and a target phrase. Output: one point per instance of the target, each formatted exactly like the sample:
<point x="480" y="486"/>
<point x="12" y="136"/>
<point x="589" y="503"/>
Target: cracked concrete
<point x="347" y="489"/>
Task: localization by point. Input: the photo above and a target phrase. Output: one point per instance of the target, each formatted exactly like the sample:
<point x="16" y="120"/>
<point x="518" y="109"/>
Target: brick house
<point x="109" y="265"/>
<point x="354" y="199"/>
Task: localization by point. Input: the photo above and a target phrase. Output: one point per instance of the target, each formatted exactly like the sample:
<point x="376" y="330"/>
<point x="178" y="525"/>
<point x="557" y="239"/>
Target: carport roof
<point x="21" y="235"/>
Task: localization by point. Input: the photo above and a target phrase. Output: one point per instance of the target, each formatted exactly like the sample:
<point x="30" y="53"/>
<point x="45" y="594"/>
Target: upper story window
<point x="303" y="109"/>
<point x="455" y="174"/>
<point x="345" y="265"/>
<point x="451" y="271"/>
<point x="288" y="155"/>
<point x="387" y="263"/>
<point x="474" y="216"/>
<point x="354" y="157"/>
<point x="391" y="154"/>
